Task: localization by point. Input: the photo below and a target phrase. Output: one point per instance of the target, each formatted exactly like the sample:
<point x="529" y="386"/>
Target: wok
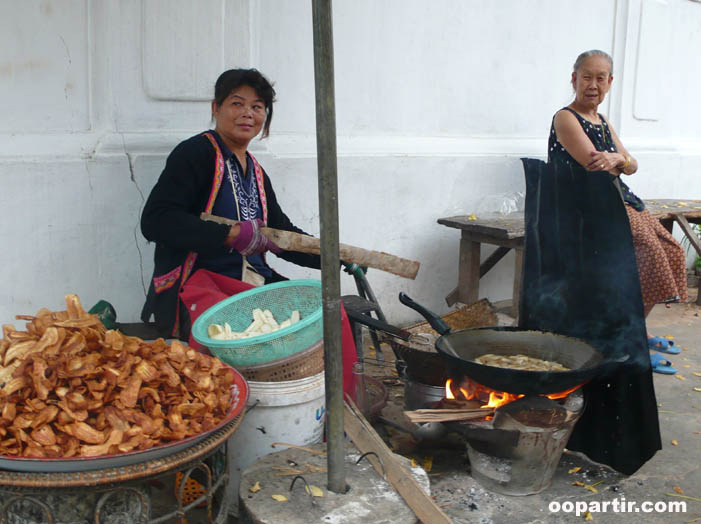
<point x="460" y="348"/>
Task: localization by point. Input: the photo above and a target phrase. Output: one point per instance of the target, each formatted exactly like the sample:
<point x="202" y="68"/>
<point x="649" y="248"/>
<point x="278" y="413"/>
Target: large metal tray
<point x="239" y="397"/>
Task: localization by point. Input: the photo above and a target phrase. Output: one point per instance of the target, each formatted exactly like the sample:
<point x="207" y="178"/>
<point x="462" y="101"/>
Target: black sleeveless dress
<point x="580" y="279"/>
<point x="600" y="136"/>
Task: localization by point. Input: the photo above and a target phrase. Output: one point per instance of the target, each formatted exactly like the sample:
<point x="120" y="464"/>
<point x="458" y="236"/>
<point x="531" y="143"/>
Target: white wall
<point x="436" y="102"/>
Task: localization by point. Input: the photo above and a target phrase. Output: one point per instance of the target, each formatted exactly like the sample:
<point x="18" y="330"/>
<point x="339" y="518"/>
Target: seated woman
<point x="581" y="135"/>
<point x="213" y="172"/>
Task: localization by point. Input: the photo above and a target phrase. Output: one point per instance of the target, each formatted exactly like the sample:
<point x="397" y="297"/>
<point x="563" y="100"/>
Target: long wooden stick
<point x="291" y="241"/>
<point x="486" y="411"/>
<point x="446" y="415"/>
<point x="366" y="439"/>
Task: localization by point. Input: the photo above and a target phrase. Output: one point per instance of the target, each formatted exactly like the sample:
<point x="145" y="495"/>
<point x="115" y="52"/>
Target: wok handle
<point x="434" y="320"/>
<point x="370" y="322"/>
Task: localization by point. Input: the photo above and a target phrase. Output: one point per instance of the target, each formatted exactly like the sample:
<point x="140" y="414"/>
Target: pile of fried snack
<point x="71" y="388"/>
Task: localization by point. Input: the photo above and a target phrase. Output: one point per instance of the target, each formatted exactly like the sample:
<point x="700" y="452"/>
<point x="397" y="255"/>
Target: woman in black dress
<point x="581" y="135"/>
<point x="587" y="239"/>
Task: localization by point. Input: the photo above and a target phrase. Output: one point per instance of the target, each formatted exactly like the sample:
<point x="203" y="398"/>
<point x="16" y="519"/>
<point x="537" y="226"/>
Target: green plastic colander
<point x="281" y="298"/>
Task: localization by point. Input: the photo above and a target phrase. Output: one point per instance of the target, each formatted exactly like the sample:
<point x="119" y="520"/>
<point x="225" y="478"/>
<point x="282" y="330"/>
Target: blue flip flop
<point x="661" y="364"/>
<point x="663" y="345"/>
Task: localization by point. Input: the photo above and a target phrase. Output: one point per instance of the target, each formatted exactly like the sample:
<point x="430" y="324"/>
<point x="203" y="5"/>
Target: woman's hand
<point x="606" y="161"/>
<point x="247" y="238"/>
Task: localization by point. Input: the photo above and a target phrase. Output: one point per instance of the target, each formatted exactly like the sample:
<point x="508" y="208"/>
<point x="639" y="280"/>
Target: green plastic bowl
<point x="281" y="298"/>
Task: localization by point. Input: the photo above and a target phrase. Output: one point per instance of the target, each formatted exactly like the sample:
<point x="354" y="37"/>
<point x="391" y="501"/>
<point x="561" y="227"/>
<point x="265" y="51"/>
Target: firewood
<point x="446" y="415"/>
<point x="291" y="241"/>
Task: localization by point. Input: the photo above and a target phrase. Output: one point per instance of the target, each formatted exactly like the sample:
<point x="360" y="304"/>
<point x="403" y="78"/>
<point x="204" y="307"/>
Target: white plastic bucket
<point x="291" y="412"/>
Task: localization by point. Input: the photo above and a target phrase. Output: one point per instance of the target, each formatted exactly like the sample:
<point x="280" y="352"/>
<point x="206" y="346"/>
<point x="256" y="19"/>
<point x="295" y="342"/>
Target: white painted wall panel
<point x="440" y="68"/>
<point x="70" y="228"/>
<point x="651" y="78"/>
<point x="187" y="44"/>
<point x="667" y="81"/>
<point x="165" y="61"/>
<point x="44" y="66"/>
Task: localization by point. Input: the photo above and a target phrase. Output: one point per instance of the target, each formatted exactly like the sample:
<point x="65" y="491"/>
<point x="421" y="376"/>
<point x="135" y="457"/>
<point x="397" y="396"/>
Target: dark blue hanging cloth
<point x="580" y="279"/>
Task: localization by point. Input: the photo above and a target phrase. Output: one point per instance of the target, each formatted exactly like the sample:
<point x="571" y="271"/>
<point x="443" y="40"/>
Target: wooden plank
<point x="667" y="223"/>
<point x="366" y="439"/>
<point x="468" y="270"/>
<point x="511" y="226"/>
<point x="690" y="233"/>
<point x="492" y="260"/>
<point x="666" y="208"/>
<point x="452" y="297"/>
<point x="291" y="241"/>
<point x="488" y="239"/>
<point x="497" y="226"/>
<point x="518" y="271"/>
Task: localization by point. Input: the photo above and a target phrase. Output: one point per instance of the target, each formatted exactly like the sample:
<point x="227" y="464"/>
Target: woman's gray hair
<point x="593" y="52"/>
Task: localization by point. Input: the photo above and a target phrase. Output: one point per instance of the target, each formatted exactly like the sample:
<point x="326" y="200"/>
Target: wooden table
<point x="507" y="232"/>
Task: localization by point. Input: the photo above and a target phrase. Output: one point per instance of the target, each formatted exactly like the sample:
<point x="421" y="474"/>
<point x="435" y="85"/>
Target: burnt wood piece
<point x="507" y="231"/>
<point x="453" y="403"/>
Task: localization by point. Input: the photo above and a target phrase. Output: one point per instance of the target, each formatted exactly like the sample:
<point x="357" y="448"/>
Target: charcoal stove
<point x="515" y="451"/>
<point x="120" y="494"/>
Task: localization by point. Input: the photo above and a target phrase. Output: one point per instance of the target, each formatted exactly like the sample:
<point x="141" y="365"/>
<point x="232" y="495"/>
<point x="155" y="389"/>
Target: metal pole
<point x="328" y="214"/>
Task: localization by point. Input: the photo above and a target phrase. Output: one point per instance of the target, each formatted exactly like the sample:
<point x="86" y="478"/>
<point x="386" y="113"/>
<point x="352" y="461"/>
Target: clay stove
<point x="515" y="451"/>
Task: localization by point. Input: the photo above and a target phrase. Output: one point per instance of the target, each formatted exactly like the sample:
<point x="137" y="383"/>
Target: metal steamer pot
<point x="460" y="348"/>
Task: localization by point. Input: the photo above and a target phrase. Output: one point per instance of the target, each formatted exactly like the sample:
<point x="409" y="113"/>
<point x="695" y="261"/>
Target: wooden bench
<point x="507" y="232"/>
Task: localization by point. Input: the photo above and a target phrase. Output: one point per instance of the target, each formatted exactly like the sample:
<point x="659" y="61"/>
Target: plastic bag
<point x="502" y="203"/>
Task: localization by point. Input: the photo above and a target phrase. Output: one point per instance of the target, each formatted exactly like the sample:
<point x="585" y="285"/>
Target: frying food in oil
<point x="522" y="362"/>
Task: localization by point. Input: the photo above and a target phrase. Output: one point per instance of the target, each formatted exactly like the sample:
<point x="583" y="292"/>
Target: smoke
<point x="580" y="276"/>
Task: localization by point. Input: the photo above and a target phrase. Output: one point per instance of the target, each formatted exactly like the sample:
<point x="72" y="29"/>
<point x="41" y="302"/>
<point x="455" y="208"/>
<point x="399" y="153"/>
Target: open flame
<point x="470" y="390"/>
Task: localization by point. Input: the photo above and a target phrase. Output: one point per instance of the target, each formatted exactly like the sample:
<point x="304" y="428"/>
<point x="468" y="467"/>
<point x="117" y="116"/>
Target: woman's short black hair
<point x="232" y="79"/>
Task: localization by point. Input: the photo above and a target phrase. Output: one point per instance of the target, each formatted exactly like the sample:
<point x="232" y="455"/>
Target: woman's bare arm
<point x="632" y="163"/>
<point x="573" y="138"/>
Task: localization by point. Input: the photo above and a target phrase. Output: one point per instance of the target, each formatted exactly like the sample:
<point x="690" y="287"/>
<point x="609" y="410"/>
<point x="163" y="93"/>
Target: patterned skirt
<point x="661" y="260"/>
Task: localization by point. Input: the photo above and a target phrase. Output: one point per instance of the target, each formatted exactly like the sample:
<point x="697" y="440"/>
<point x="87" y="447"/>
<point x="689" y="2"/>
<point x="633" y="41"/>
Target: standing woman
<point x="580" y="134"/>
